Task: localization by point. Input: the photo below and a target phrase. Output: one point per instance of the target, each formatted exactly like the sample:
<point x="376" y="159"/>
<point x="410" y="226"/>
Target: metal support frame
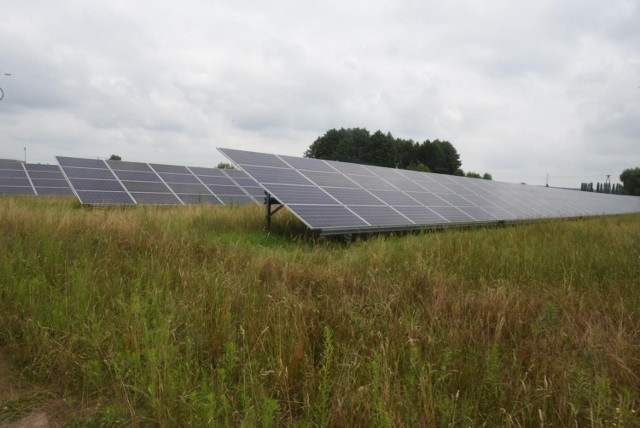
<point x="268" y="202"/>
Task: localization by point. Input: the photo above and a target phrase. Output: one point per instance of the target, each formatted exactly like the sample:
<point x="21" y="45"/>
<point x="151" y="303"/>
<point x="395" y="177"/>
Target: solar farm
<point x="155" y="295"/>
<point x="327" y="196"/>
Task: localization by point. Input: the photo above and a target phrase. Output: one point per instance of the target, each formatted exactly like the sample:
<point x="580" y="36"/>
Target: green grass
<point x="197" y="316"/>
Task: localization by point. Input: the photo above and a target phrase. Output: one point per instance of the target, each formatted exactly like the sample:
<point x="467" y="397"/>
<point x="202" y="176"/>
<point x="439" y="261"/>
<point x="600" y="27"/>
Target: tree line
<point x="630" y="179"/>
<point x="614" y="189"/>
<point x="358" y="145"/>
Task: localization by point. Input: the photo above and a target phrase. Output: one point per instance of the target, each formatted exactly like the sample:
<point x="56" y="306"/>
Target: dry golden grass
<point x="197" y="316"/>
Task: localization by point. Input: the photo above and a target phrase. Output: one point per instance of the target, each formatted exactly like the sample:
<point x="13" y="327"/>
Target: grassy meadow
<point x="196" y="316"/>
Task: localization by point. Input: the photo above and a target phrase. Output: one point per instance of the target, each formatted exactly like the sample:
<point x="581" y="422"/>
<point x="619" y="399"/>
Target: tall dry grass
<point x="197" y="316"/>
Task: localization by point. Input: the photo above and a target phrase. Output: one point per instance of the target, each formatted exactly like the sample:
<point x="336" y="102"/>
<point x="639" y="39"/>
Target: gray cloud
<point x="521" y="89"/>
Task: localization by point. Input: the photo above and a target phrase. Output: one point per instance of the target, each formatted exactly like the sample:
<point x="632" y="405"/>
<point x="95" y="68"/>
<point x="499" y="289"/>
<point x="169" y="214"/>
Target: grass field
<point x="197" y="316"/>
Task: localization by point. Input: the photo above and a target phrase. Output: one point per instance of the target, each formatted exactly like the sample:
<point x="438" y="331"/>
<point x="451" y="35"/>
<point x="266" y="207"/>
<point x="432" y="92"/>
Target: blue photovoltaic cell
<point x="54" y="191"/>
<point x="141" y="186"/>
<point x="327" y="216"/>
<point x="429" y="199"/>
<point x="453" y="214"/>
<point x="478" y="214"/>
<point x="194" y="189"/>
<point x="303" y="164"/>
<point x="17" y="178"/>
<point x="235" y="173"/>
<point x="276" y="175"/>
<point x="226" y="190"/>
<point x="245" y="182"/>
<point x="455" y="200"/>
<point x="179" y="178"/>
<point x="332" y="179"/>
<point x="16" y="190"/>
<point x="255" y="191"/>
<point x="219" y="181"/>
<point x="80" y="163"/>
<point x="350" y="168"/>
<point x="12" y="173"/>
<point x="37" y="167"/>
<point x="90" y="173"/>
<point x="295" y="194"/>
<point x="381" y="216"/>
<point x="395" y="198"/>
<point x="210" y="172"/>
<point x="46" y="175"/>
<point x="372" y="183"/>
<point x="48" y="182"/>
<point x="16" y="182"/>
<point x="129" y="166"/>
<point x="353" y="196"/>
<point x="405" y="184"/>
<point x="172" y="169"/>
<point x="257" y="159"/>
<point x="151" y="177"/>
<point x="101" y="185"/>
<point x="16" y="166"/>
<point x="422" y="215"/>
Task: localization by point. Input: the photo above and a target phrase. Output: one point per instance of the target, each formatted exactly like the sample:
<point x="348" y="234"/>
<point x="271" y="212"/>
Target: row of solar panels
<point x="337" y="197"/>
<point x="17" y="178"/>
<point x="100" y="182"/>
<point x="332" y="197"/>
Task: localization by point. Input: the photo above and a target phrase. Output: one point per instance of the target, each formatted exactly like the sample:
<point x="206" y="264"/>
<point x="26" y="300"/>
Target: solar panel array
<point x="100" y="182"/>
<point x="337" y="197"/>
<point x="18" y="178"/>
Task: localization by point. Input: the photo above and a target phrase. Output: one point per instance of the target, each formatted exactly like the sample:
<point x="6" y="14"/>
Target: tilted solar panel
<point x="18" y="178"/>
<point x="99" y="182"/>
<point x="338" y="197"/>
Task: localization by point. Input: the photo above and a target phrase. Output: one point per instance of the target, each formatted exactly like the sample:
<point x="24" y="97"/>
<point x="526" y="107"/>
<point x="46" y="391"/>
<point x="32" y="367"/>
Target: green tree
<point x="345" y="145"/>
<point x="381" y="150"/>
<point x="357" y="145"/>
<point x="487" y="176"/>
<point x="418" y="167"/>
<point x="439" y="156"/>
<point x="224" y="165"/>
<point x="472" y="174"/>
<point x="630" y="179"/>
<point x="115" y="157"/>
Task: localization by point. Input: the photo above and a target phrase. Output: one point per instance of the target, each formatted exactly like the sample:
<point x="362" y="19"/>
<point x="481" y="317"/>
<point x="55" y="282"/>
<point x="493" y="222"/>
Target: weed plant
<point x="195" y="316"/>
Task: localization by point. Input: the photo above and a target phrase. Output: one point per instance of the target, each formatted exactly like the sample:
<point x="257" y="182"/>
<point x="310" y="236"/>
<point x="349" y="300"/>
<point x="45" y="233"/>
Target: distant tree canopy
<point x="224" y="165"/>
<point x="357" y="145"/>
<point x="630" y="178"/>
<point x="115" y="157"/>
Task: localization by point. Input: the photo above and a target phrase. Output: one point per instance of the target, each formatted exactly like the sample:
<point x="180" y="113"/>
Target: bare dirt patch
<point x="27" y="406"/>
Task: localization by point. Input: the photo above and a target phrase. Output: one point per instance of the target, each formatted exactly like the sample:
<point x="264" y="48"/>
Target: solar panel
<point x="124" y="182"/>
<point x="338" y="197"/>
<point x="18" y="178"/>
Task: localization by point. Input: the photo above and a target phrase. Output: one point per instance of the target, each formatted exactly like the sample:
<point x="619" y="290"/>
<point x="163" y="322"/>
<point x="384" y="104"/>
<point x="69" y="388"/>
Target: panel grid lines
<point x="154" y="184"/>
<point x="337" y="197"/>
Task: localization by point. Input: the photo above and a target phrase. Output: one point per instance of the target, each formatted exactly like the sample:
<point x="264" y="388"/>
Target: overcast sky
<point x="521" y="89"/>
